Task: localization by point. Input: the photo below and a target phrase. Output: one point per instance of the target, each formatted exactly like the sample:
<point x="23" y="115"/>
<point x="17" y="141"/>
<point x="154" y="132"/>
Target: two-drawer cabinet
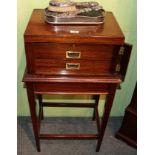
<point x="73" y="59"/>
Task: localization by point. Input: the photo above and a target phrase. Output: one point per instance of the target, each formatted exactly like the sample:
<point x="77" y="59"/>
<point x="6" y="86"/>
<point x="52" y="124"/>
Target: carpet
<point x="110" y="145"/>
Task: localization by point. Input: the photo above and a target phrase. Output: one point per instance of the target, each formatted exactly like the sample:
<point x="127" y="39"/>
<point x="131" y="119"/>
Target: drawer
<point x="71" y="67"/>
<point x="72" y="51"/>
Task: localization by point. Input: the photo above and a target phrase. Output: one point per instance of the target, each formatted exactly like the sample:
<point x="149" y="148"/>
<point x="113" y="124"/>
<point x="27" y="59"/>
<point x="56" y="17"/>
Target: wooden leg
<point x="32" y="106"/>
<point x="41" y="106"/>
<point x="107" y="109"/>
<point x="96" y="98"/>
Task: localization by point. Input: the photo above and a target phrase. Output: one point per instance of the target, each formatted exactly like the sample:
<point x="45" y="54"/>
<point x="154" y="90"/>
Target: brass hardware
<point x="121" y="50"/>
<point x="72" y="66"/>
<point x="118" y="67"/>
<point x="74" y="31"/>
<point x="73" y="54"/>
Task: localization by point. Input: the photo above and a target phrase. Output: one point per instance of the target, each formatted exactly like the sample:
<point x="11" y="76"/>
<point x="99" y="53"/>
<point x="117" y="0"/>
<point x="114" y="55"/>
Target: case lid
<point x="39" y="31"/>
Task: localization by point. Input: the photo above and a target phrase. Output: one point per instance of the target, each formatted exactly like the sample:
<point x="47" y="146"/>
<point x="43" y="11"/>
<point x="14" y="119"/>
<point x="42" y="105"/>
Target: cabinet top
<point x="39" y="31"/>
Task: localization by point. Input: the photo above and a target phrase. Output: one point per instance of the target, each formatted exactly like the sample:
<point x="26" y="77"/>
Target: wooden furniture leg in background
<point x="128" y="129"/>
<point x="107" y="109"/>
<point x="32" y="105"/>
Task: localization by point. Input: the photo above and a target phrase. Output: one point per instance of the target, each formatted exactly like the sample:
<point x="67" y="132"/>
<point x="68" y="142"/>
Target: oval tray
<point x="95" y="17"/>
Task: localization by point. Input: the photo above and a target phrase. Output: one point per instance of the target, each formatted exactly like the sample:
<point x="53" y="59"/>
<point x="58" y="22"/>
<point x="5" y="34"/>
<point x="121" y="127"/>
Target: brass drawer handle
<point x="73" y="54"/>
<point x="72" y="66"/>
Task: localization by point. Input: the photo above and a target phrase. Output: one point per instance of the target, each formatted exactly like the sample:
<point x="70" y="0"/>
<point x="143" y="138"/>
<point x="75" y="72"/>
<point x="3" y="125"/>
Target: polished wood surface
<point x="39" y="31"/>
<point x="73" y="60"/>
<point x="124" y="61"/>
<point x="69" y="136"/>
<point x="58" y="51"/>
<point x="32" y="105"/>
<point x="55" y="67"/>
<point x="70" y="88"/>
<point x="106" y="113"/>
<point x="71" y="79"/>
<point x="49" y="58"/>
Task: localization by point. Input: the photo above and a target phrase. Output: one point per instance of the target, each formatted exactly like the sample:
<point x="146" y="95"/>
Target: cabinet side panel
<point x="29" y="58"/>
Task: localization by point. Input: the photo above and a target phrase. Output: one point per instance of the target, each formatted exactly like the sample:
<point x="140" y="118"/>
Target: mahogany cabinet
<point x="73" y="59"/>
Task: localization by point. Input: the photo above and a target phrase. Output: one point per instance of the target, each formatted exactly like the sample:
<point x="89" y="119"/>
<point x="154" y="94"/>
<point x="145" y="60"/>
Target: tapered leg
<point x="32" y="106"/>
<point x="96" y="98"/>
<point x="40" y="106"/>
<point x="107" y="109"/>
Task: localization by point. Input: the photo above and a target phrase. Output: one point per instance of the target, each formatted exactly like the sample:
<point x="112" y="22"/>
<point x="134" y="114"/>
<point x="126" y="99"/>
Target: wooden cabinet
<point x="69" y="59"/>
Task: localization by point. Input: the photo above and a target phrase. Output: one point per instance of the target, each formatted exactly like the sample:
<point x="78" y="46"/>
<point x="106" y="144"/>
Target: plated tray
<point x="69" y="12"/>
<point x="92" y="17"/>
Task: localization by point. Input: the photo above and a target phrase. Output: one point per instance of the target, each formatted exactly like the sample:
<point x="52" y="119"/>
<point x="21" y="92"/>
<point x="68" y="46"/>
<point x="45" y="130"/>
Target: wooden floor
<point x="110" y="145"/>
